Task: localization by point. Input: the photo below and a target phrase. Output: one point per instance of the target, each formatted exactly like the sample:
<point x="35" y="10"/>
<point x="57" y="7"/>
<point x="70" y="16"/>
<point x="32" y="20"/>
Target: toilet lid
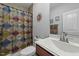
<point x="29" y="50"/>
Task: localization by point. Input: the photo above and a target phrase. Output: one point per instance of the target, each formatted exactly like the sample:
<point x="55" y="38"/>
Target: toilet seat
<point x="28" y="51"/>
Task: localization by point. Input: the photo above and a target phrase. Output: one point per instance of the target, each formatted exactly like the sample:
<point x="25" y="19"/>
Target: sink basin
<point x="66" y="46"/>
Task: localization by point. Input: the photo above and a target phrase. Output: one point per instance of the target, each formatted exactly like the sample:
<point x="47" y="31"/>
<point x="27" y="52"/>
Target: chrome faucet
<point x="67" y="40"/>
<point x="64" y="39"/>
<point x="38" y="36"/>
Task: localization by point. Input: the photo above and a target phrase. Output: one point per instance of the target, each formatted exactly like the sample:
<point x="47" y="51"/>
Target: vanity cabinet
<point x="42" y="52"/>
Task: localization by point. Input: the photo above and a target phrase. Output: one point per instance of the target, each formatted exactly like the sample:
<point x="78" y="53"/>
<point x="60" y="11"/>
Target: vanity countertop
<point x="48" y="45"/>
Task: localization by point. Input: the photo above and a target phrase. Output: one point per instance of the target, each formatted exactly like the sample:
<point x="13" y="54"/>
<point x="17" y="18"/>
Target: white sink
<point x="66" y="46"/>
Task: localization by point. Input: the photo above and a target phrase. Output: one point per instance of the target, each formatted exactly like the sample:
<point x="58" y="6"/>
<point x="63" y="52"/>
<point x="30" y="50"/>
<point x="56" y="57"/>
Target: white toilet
<point x="29" y="51"/>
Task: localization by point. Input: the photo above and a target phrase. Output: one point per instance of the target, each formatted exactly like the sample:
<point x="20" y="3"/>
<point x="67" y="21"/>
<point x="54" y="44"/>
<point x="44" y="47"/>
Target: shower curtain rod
<point x="15" y="8"/>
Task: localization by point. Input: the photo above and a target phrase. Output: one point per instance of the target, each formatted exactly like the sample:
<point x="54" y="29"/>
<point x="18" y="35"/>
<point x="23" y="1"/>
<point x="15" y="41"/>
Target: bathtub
<point x="58" y="48"/>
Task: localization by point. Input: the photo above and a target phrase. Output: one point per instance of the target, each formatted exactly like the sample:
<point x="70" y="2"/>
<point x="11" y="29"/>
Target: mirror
<point x="65" y="18"/>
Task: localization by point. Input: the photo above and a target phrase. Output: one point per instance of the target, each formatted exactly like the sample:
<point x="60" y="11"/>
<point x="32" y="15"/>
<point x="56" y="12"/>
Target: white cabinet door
<point x="71" y="22"/>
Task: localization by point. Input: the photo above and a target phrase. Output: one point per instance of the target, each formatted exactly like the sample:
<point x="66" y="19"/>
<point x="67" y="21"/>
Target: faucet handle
<point x="67" y="40"/>
<point x="36" y="36"/>
<point x="65" y="33"/>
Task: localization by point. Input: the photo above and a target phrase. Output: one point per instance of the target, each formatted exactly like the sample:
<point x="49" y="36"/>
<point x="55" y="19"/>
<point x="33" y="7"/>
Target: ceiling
<point x="25" y="6"/>
<point x="52" y="5"/>
<point x="22" y="6"/>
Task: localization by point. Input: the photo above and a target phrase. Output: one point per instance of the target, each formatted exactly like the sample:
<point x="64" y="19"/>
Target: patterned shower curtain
<point x="15" y="30"/>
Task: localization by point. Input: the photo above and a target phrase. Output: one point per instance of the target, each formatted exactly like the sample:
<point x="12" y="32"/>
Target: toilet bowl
<point x="29" y="51"/>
